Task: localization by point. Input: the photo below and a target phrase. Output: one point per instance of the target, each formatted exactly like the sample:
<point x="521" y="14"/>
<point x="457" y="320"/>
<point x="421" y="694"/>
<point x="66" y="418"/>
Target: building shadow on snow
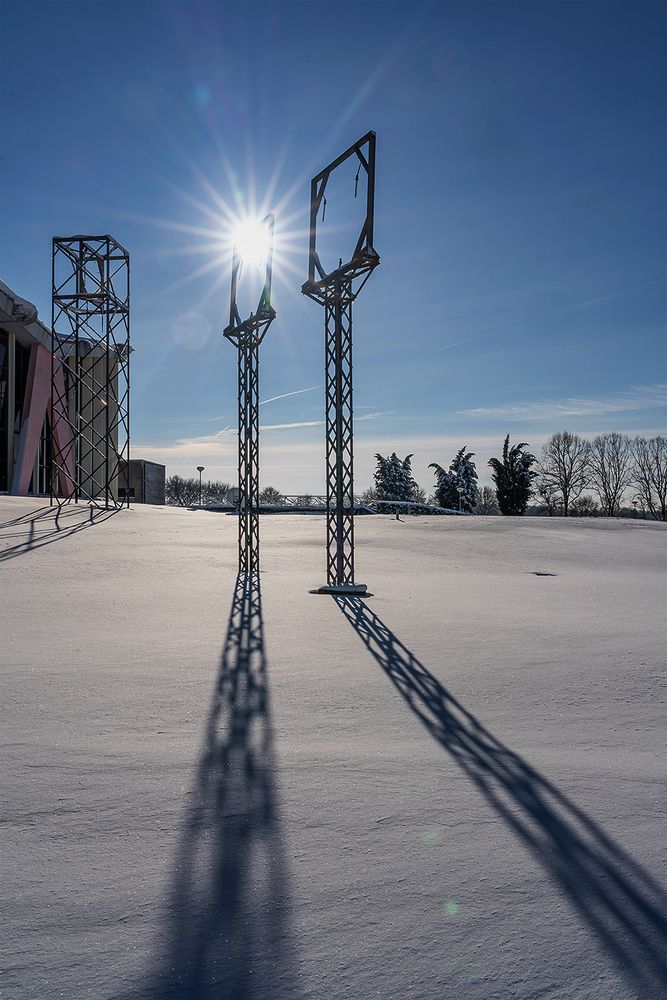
<point x="228" y="918"/>
<point x="616" y="899"/>
<point x="47" y="525"/>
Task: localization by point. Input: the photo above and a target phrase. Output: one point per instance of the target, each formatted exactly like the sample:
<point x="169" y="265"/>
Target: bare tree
<point x="182" y="492"/>
<point x="486" y="501"/>
<point x="610" y="462"/>
<point x="584" y="506"/>
<point x="270" y="495"/>
<point x="564" y="469"/>
<point x="548" y="494"/>
<point x="369" y="495"/>
<point x="215" y="492"/>
<point x="650" y="475"/>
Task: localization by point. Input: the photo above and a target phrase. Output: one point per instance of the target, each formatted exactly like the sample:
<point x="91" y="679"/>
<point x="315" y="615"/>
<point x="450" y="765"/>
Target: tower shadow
<point x="229" y="909"/>
<point x="46" y="525"/>
<point x="615" y="898"/>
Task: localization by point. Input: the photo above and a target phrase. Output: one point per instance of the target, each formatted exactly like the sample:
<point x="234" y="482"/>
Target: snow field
<point x="452" y="788"/>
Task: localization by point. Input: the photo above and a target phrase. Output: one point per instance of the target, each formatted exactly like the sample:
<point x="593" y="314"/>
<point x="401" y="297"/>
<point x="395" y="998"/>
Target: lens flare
<point x="251" y="240"/>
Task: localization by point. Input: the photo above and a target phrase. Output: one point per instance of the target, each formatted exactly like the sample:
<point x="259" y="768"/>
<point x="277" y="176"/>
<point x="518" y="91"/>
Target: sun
<point x="237" y="221"/>
<point x="251" y="239"/>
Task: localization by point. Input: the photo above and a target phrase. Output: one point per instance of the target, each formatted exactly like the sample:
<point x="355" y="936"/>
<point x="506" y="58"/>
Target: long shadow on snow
<point x="47" y="525"/>
<point x="613" y="895"/>
<point x="229" y="907"/>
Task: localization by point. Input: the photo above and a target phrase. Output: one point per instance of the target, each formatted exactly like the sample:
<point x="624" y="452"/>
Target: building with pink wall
<point x="25" y="397"/>
<point x="26" y="418"/>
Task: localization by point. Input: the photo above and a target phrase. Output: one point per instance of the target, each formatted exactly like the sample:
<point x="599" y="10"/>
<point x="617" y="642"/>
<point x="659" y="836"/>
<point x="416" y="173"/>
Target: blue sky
<point x="520" y="212"/>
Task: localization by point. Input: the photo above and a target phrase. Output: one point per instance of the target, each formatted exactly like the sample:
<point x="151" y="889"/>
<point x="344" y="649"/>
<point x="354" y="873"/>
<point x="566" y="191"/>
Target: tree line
<point x="572" y="477"/>
<point x="612" y="467"/>
<point x="184" y="492"/>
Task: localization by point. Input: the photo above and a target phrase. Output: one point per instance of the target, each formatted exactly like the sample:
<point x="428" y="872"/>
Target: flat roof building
<point x="27" y="437"/>
<point x="146" y="482"/>
<point x="25" y="394"/>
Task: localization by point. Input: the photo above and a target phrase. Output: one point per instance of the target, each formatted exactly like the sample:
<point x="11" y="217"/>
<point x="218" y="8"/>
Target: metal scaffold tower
<point x="247" y="335"/>
<point x="90" y="371"/>
<point x="336" y="291"/>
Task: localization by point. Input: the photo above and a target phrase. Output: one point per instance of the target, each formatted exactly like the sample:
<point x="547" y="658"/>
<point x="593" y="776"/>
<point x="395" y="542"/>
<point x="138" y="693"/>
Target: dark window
<point x="21" y="363"/>
<point x="44" y="460"/>
<point x="4" y="386"/>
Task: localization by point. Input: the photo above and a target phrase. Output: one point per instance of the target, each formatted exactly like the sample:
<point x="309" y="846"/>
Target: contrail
<point x="286" y="394"/>
<point x="283" y="427"/>
<point x="614" y="295"/>
<point x="211" y="420"/>
<point x="485" y="331"/>
<point x="317" y="423"/>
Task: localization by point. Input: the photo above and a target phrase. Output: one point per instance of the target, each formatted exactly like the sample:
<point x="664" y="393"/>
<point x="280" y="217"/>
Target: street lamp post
<point x="200" y="469"/>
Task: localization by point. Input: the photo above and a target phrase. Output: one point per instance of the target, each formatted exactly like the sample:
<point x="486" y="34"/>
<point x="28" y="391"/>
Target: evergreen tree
<point x="513" y="478"/>
<point x="446" y="494"/>
<point x="393" y="478"/>
<point x="456" y="487"/>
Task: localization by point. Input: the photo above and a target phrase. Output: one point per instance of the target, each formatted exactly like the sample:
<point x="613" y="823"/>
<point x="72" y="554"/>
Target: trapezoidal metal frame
<point x="90" y="371"/>
<point x="247" y="335"/>
<point x="336" y="291"/>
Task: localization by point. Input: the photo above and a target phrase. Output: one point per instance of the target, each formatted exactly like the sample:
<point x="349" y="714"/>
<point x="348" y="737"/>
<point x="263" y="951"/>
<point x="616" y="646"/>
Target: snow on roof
<point x="20" y="316"/>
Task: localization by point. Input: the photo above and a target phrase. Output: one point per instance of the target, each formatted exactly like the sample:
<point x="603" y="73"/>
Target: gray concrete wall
<point x="154" y="479"/>
<point x="146" y="481"/>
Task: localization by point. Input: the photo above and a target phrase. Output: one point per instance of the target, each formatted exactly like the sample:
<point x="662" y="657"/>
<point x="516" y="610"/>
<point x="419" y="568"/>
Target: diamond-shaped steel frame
<point x="337" y="291"/>
<point x="90" y="345"/>
<point x="247" y="335"/>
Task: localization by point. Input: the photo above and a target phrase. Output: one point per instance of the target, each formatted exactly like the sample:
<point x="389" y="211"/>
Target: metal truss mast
<point x="247" y="335"/>
<point x="90" y="371"/>
<point x="336" y="291"/>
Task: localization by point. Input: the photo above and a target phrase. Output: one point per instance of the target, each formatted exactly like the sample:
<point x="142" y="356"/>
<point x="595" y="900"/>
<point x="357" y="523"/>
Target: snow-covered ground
<point x="454" y="788"/>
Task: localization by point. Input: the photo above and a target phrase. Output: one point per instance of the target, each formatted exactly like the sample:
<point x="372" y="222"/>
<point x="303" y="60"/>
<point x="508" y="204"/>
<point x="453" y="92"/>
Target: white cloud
<point x="294" y="461"/>
<point x="297" y="465"/>
<point x="646" y="397"/>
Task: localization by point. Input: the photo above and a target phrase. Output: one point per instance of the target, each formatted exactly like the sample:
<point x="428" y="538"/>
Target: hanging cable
<point x="356" y="181"/>
<point x="324" y="206"/>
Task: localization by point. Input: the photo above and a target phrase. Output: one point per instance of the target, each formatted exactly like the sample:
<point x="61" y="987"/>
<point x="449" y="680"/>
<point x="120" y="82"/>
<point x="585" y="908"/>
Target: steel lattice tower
<point x="90" y="370"/>
<point x="248" y="462"/>
<point x="336" y="291"/>
<point x="247" y="335"/>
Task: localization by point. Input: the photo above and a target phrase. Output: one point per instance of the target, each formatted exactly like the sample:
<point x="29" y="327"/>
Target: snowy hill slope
<point x="452" y="788"/>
